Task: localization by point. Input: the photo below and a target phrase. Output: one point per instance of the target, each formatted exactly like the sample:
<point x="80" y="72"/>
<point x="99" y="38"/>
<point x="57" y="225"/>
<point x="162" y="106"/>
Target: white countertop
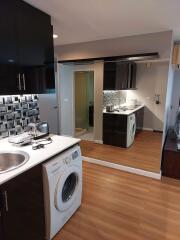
<point x="59" y="144"/>
<point x="126" y="112"/>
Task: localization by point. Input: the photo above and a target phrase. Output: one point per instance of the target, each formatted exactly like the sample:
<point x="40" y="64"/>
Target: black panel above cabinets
<point x="26" y="49"/>
<point x="119" y="75"/>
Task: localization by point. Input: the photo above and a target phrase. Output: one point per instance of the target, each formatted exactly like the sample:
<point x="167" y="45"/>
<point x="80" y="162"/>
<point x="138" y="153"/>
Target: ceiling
<point x="87" y="20"/>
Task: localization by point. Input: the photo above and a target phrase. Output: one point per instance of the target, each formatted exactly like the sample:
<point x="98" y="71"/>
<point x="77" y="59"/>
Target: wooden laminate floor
<point x="122" y="206"/>
<point x="145" y="153"/>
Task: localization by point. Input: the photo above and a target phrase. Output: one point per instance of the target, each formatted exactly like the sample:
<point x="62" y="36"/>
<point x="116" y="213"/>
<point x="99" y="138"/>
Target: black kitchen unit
<point x="26" y="49"/>
<point x="115" y="127"/>
<point x="22" y="207"/>
<point x="119" y="75"/>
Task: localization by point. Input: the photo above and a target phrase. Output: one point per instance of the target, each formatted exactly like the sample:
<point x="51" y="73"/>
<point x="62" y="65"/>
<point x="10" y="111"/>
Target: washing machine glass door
<point x="132" y="126"/>
<point x="133" y="130"/>
<point x="67" y="188"/>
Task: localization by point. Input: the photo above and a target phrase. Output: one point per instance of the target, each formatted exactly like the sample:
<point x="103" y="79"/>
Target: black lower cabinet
<point x="114" y="129"/>
<point x="22" y="207"/>
<point x="91" y="116"/>
<point x="1" y="222"/>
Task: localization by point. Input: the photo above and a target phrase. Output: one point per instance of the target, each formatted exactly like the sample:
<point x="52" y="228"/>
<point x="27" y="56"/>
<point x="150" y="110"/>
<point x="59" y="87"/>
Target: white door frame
<point x="80" y="70"/>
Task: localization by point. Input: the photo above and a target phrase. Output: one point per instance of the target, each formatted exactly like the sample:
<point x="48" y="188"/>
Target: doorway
<point x="84" y="104"/>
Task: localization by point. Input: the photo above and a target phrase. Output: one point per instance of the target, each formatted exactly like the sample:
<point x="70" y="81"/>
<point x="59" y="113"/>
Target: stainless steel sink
<point x="12" y="160"/>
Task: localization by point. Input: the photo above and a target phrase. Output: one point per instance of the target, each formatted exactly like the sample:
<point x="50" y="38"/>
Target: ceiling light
<point x="55" y="36"/>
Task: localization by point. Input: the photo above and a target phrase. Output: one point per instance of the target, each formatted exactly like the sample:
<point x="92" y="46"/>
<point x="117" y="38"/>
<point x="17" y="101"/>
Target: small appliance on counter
<point x="34" y="131"/>
<point x="109" y="108"/>
<point x="39" y="130"/>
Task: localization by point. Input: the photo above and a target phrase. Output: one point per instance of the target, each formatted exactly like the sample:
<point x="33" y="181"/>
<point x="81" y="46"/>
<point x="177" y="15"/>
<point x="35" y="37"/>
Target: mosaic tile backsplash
<point x="16" y="112"/>
<point x="114" y="97"/>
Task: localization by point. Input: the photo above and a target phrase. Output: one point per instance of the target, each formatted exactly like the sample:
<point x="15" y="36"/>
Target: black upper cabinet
<point x="109" y="76"/>
<point x="26" y="49"/>
<point x="119" y="75"/>
<point x="8" y="48"/>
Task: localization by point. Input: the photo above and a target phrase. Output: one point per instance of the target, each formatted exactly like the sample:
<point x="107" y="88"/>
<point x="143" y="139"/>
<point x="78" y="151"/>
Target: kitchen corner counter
<point x="125" y="112"/>
<point x="58" y="145"/>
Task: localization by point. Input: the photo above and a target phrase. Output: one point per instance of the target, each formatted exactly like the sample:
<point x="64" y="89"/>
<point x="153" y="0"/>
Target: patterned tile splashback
<point x="16" y="112"/>
<point x="114" y="97"/>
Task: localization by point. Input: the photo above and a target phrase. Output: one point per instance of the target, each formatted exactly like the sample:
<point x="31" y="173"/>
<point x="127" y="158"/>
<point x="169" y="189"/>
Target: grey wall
<point x="49" y="111"/>
<point x="175" y="96"/>
<point x="154" y="42"/>
<point x="150" y="80"/>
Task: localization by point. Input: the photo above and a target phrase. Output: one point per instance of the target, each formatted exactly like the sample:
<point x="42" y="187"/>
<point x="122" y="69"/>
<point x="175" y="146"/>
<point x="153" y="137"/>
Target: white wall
<point x="175" y="96"/>
<point x="167" y="114"/>
<point x="151" y="79"/>
<point x="66" y="98"/>
<point x="153" y="42"/>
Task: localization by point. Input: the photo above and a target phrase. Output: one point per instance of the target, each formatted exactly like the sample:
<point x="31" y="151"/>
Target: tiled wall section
<point x="16" y="112"/>
<point x="114" y="97"/>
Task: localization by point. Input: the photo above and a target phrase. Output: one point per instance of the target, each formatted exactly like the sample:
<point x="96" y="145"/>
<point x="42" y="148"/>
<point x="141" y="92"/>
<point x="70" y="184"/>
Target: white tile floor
<point x="88" y="135"/>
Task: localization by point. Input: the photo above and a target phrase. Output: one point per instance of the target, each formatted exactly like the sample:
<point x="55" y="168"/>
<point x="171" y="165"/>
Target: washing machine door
<point x="133" y="127"/>
<point x="67" y="188"/>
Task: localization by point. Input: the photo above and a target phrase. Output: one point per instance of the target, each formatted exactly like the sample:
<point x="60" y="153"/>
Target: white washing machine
<point x="62" y="177"/>
<point x="131" y="129"/>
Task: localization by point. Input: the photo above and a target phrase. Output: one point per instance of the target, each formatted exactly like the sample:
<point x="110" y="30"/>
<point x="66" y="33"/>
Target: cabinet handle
<point x="6" y="201"/>
<point x="24" y="82"/>
<point x="19" y="81"/>
<point x="129" y="76"/>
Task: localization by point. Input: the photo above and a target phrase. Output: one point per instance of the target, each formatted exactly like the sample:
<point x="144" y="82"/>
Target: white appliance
<point x="131" y="129"/>
<point x="62" y="177"/>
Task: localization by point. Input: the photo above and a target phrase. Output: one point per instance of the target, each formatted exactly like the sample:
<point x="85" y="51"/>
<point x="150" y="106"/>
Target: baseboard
<point x="98" y="141"/>
<point x="124" y="168"/>
<point x="148" y="129"/>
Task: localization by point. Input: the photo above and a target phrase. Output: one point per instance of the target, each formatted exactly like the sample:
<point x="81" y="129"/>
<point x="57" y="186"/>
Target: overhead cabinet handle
<point x="24" y="82"/>
<point x="6" y="201"/>
<point x="19" y="81"/>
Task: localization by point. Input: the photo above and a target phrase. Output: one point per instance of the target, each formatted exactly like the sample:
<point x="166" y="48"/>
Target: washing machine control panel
<point x="75" y="154"/>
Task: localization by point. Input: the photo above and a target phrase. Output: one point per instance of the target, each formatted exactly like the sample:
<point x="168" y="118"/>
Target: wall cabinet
<point x="22" y="207"/>
<point x="119" y="75"/>
<point x="26" y="49"/>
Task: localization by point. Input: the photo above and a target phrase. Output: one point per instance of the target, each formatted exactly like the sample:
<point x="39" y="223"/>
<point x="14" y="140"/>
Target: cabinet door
<point x="8" y="48"/>
<point x="119" y="75"/>
<point x="114" y="129"/>
<point x="23" y="216"/>
<point x="35" y="44"/>
<point x="122" y="74"/>
<point x="139" y="120"/>
<point x="131" y="76"/>
<point x="109" y="76"/>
